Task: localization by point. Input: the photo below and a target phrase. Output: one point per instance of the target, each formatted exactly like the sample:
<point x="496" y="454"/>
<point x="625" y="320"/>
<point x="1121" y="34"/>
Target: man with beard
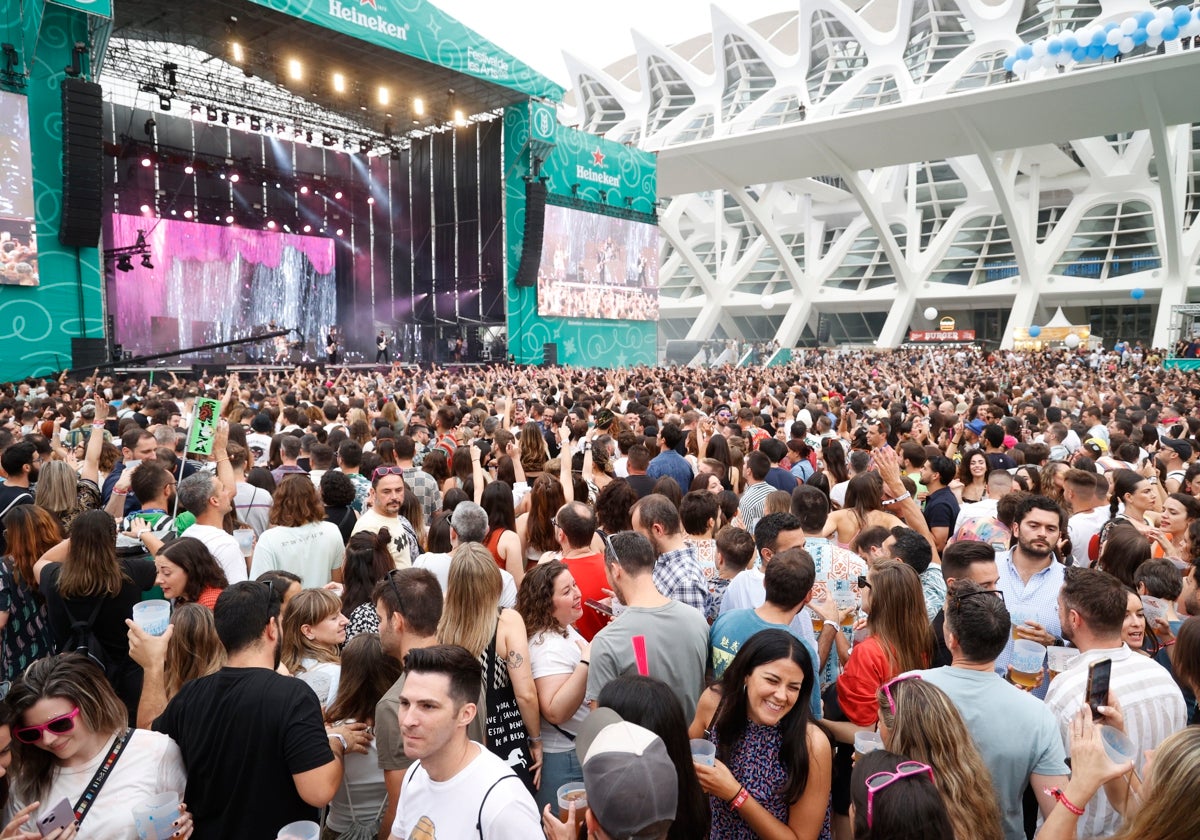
<point x="677" y="573"/>
<point x="21" y="463"/>
<point x="675" y="635"/>
<point x="1091" y="608"/>
<point x="1030" y="578"/>
<point x="385" y="500"/>
<point x="246" y="710"/>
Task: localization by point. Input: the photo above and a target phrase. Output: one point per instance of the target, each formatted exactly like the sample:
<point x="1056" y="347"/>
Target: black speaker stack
<point x="535" y="221"/>
<point x="82" y="135"/>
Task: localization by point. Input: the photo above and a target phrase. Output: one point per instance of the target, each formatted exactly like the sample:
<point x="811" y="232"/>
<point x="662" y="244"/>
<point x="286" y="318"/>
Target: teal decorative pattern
<point x="594" y="164"/>
<point x="38" y="323"/>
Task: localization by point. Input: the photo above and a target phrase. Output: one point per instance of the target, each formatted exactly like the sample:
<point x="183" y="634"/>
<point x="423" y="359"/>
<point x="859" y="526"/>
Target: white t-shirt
<point x="312" y="551"/>
<point x="323" y="678"/>
<point x="1081" y="527"/>
<point x="451" y="808"/>
<point x="259" y="446"/>
<point x="439" y="564"/>
<point x="149" y="765"/>
<point x="224" y="548"/>
<point x="551" y="654"/>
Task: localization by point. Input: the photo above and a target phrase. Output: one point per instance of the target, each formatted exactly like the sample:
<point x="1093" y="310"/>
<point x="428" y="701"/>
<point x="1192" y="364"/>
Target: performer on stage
<point x="381" y="348"/>
<point x="333" y="346"/>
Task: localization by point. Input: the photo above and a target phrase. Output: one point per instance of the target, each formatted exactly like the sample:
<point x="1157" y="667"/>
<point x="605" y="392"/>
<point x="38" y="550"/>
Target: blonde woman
<point x="314" y="630"/>
<point x="918" y="720"/>
<point x="472" y="618"/>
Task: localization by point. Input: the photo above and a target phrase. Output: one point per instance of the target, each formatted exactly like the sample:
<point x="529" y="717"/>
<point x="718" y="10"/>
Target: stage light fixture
<point x="211" y="113"/>
<point x="384" y="96"/>
<point x="189" y="169"/>
<point x="295" y="69"/>
<point x="146" y="261"/>
<point x="370" y="199"/>
<point x="255" y="123"/>
<point x="234" y="177"/>
<point x="164" y="102"/>
<point x="338" y="231"/>
<point x="147" y="162"/>
<point x="187" y="214"/>
<point x="148" y="127"/>
<point x="459" y="118"/>
<point x="240" y="119"/>
<point x="173" y="213"/>
<point x="224" y="118"/>
<point x="419" y="107"/>
<point x="145" y="208"/>
<point x="363" y="147"/>
<point x="338" y="195"/>
<point x="308" y="228"/>
<point x="235" y="49"/>
<point x="347" y="145"/>
<point x="229" y="220"/>
<point x="304" y="190"/>
<point x="308" y="137"/>
<point x="195" y="109"/>
<point x="328" y="140"/>
<point x="297" y="132"/>
<point x="222" y="176"/>
<point x="169" y="69"/>
<point x="270" y="224"/>
<point x="125" y="263"/>
<point x="339" y="83"/>
<point x="279" y="129"/>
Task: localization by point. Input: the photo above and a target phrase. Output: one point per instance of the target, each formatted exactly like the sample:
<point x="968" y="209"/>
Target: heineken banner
<point x="419" y="29"/>
<point x="99" y="8"/>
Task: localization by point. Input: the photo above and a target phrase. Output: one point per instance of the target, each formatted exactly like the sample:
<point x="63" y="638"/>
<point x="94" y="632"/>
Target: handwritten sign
<point x="205" y="417"/>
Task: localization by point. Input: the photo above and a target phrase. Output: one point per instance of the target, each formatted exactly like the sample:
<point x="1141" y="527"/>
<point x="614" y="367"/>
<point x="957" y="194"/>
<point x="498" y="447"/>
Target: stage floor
<point x="214" y="368"/>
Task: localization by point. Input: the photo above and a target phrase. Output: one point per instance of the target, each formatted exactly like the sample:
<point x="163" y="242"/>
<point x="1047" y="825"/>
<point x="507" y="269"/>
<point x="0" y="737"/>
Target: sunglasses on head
<point x="879" y="781"/>
<point x="886" y="688"/>
<point x="60" y="725"/>
<point x="380" y="472"/>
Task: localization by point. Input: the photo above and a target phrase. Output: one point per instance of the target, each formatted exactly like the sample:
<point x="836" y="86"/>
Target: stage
<point x="220" y="368"/>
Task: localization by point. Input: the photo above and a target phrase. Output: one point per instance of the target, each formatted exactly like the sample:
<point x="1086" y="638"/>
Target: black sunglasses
<point x="863" y="583"/>
<point x="391" y="578"/>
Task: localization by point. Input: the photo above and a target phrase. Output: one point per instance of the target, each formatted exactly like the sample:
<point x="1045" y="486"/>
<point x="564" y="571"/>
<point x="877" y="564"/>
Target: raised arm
<point x="91" y="455"/>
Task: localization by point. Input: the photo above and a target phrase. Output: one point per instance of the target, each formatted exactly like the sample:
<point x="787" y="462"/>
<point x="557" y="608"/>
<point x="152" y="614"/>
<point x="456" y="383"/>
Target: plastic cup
<point x="818" y="623"/>
<point x="1026" y="663"/>
<point x="1118" y="745"/>
<point x="704" y="751"/>
<point x="154" y="817"/>
<point x="245" y="540"/>
<point x="568" y="793"/>
<point x="1018" y="616"/>
<point x="152" y="616"/>
<point x="1059" y="659"/>
<point x="865" y="742"/>
<point x="302" y="830"/>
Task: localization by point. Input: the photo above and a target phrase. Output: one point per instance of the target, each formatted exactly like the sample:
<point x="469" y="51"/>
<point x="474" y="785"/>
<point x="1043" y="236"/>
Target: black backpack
<point x="82" y="640"/>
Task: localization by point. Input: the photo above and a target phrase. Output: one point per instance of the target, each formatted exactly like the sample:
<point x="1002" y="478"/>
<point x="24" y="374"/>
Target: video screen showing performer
<point x="596" y="266"/>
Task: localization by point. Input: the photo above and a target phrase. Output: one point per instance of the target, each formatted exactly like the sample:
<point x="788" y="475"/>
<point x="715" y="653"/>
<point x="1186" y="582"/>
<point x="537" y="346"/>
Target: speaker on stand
<point x="535" y="221"/>
<point x="82" y="133"/>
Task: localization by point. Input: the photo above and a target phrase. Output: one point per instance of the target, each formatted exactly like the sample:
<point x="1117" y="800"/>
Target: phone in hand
<point x="599" y="607"/>
<point x="60" y="816"/>
<point x="1099" y="674"/>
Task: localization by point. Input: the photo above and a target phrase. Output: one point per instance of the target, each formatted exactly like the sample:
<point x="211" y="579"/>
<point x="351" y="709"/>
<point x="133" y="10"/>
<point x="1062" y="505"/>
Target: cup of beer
<point x="846" y="605"/>
<point x="1025" y="667"/>
<point x="1019" y="615"/>
<point x="1058" y="659"/>
<point x="818" y="623"/>
<point x="568" y="793"/>
<point x="865" y="742"/>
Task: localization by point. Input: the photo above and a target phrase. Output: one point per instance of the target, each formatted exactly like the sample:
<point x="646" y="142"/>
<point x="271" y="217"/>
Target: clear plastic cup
<point x="568" y="793"/>
<point x="865" y="742"/>
<point x="152" y="616"/>
<point x="1154" y="608"/>
<point x="1059" y="659"/>
<point x="704" y="751"/>
<point x="1019" y="615"/>
<point x="303" y="830"/>
<point x="245" y="540"/>
<point x="1118" y="745"/>
<point x="1025" y="667"/>
<point x="154" y="818"/>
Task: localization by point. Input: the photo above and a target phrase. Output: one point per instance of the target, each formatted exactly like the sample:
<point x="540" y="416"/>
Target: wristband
<point x="117" y="492"/>
<point x="1061" y="797"/>
<point x="742" y="795"/>
<point x="97" y="425"/>
<point x="902" y="497"/>
<point x="585" y="662"/>
<point x="341" y="739"/>
<point x="535" y="739"/>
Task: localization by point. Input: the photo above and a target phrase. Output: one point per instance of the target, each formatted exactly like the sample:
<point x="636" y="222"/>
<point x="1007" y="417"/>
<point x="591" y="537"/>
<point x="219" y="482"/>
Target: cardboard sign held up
<point x="205" y="417"/>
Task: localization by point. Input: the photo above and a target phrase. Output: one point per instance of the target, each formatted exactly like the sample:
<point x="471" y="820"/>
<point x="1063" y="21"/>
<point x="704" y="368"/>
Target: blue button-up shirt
<point x="1036" y="600"/>
<point x="669" y="462"/>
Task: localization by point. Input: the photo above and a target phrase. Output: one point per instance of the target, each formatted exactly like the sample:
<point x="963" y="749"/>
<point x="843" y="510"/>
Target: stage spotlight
<point x="211" y="113"/>
<point x="124" y="263"/>
<point x="235" y="49"/>
<point x="459" y="118"/>
<point x="279" y="129"/>
<point x="385" y="96"/>
<point x="224" y="118"/>
<point x="328" y="139"/>
<point x="304" y="190"/>
<point x="287" y="228"/>
<point x="240" y="119"/>
<point x="146" y="261"/>
<point x="195" y="109"/>
<point x="147" y="162"/>
<point x="189" y="169"/>
<point x="187" y="214"/>
<point x="308" y="228"/>
<point x="339" y="83"/>
<point x="370" y="199"/>
<point x="338" y="231"/>
<point x="347" y="145"/>
<point x="295" y="69"/>
<point x="222" y="176"/>
<point x="234" y="177"/>
<point x="297" y="132"/>
<point x="169" y="69"/>
<point x="145" y="208"/>
<point x="164" y="102"/>
<point x="338" y="195"/>
<point x="173" y="213"/>
<point x="255" y="123"/>
<point x="363" y="147"/>
<point x="229" y="220"/>
<point x="270" y="224"/>
<point x="308" y="137"/>
<point x="419" y="107"/>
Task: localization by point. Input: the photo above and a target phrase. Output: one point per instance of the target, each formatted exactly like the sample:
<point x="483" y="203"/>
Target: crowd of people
<point x="886" y="595"/>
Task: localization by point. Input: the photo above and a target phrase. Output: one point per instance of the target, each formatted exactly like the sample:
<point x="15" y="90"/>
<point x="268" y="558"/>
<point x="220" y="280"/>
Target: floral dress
<point x="755" y="763"/>
<point x="26" y="636"/>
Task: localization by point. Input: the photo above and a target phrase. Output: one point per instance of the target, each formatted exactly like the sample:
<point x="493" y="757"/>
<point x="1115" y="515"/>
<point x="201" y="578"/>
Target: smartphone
<point x="598" y="607"/>
<point x="1099" y="673"/>
<point x="60" y="816"/>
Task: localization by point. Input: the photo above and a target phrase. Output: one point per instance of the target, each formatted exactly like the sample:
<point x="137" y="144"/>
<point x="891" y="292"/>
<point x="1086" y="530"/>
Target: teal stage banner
<point x="99" y="8"/>
<point x="419" y="29"/>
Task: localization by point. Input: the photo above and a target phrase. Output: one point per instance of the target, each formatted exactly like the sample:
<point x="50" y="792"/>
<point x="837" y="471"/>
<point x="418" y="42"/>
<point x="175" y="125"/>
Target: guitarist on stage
<point x="333" y="346"/>
<point x="381" y="348"/>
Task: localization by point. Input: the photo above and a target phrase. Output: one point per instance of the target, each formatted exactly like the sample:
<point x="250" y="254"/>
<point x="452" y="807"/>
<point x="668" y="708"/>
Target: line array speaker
<point x="535" y="220"/>
<point x="82" y="132"/>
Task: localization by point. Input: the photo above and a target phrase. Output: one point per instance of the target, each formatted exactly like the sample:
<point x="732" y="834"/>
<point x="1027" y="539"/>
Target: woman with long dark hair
<point x="367" y="562"/>
<point x="188" y="573"/>
<point x="83" y="580"/>
<point x="651" y="704"/>
<point x="13" y="830"/>
<point x="863" y="509"/>
<point x="972" y="472"/>
<point x="533" y="527"/>
<point x="1139" y="496"/>
<point x="773" y="769"/>
<point x="31" y="531"/>
<point x="502" y="540"/>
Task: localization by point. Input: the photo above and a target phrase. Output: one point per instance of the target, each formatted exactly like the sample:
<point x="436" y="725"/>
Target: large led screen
<point x="203" y="284"/>
<point x="596" y="266"/>
<point x="18" y="237"/>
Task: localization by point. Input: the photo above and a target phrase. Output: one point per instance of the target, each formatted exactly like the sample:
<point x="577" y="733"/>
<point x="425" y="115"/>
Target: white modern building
<point x="868" y="161"/>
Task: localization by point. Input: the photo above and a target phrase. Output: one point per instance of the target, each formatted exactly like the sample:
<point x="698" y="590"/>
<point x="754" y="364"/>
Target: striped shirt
<point x="1150" y="700"/>
<point x="754" y="500"/>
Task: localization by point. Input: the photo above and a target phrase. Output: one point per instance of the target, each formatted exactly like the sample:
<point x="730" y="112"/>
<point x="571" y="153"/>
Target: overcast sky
<point x="538" y="31"/>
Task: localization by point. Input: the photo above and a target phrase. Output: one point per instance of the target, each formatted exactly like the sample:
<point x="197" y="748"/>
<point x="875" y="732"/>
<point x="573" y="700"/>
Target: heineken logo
<point x="375" y="22"/>
<point x="583" y="173"/>
<point x="597" y="158"/>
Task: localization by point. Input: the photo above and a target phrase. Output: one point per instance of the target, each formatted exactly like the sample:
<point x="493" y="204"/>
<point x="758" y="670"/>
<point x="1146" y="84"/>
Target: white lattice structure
<point x="778" y="207"/>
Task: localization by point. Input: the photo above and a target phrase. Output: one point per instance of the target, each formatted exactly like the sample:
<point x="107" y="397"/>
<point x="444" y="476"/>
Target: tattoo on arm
<point x="515" y="660"/>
